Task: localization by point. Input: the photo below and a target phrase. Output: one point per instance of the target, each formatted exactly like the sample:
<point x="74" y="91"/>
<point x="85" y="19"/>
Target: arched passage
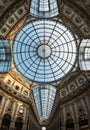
<point x="18" y="123"/>
<point x="83" y="122"/>
<point x="69" y="124"/>
<point x="6" y="122"/>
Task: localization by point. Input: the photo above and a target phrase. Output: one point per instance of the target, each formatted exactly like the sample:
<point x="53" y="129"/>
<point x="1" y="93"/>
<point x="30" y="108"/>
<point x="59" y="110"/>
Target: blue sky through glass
<point x="44" y="50"/>
<point x="44" y="8"/>
<point x="5" y="56"/>
<point x="84" y="55"/>
<point x="44" y="97"/>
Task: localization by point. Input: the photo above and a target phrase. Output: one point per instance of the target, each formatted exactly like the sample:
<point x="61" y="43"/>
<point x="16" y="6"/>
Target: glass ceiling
<point x="44" y="97"/>
<point x="44" y="8"/>
<point x="5" y="56"/>
<point x="44" y="50"/>
<point x="84" y="55"/>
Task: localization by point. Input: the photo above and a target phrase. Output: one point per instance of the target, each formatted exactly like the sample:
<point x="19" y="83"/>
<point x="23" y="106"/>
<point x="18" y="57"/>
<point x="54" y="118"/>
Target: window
<point x="21" y="109"/>
<point x="10" y="106"/>
<point x="25" y="93"/>
<point x="44" y="97"/>
<point x="87" y="53"/>
<point x="44" y="8"/>
<point x="8" y="81"/>
<point x="84" y="55"/>
<point x="5" y="56"/>
<point x="1" y="98"/>
<point x="17" y="87"/>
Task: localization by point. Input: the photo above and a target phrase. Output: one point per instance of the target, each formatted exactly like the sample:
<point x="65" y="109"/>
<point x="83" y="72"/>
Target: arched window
<point x="83" y="122"/>
<point x="10" y="105"/>
<point x="18" y="123"/>
<point x="21" y="109"/>
<point x="69" y="124"/>
<point x="6" y="122"/>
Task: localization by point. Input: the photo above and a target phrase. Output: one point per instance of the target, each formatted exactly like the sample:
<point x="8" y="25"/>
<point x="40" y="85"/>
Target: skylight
<point x="44" y="50"/>
<point x="44" y="8"/>
<point x="5" y="56"/>
<point x="84" y="55"/>
<point x="44" y="97"/>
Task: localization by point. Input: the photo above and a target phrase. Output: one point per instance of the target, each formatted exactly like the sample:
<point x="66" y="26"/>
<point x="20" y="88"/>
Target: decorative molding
<point x="14" y="16"/>
<point x="78" y="20"/>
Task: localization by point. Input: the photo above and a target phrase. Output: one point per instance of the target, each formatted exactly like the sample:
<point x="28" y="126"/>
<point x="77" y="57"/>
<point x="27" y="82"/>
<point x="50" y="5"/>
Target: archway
<point x="18" y="123"/>
<point x="6" y="122"/>
<point x="69" y="124"/>
<point x="83" y="122"/>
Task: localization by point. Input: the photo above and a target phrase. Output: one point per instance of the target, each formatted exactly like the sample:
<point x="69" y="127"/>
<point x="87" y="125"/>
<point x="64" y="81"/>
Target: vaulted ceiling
<point x="75" y="15"/>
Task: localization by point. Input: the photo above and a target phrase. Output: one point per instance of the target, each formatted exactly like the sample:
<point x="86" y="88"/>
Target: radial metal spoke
<point x="48" y="51"/>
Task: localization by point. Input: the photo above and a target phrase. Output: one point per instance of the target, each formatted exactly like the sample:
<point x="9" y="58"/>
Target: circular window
<point x="17" y="87"/>
<point x="81" y="80"/>
<point x="63" y="93"/>
<point x="25" y="93"/>
<point x="44" y="50"/>
<point x="72" y="87"/>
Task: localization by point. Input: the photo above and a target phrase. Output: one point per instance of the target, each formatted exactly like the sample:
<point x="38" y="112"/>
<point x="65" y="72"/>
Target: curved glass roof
<point x="44" y="8"/>
<point x="84" y="55"/>
<point x="44" y="97"/>
<point x="5" y="56"/>
<point x="44" y="50"/>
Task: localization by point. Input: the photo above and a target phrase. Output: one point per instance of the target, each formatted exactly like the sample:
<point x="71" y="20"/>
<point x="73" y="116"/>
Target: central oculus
<point x="44" y="50"/>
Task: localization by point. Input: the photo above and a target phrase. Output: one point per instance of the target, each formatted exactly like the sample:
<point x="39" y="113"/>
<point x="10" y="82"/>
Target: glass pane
<point x="46" y="50"/>
<point x="44" y="8"/>
<point x="10" y="106"/>
<point x="5" y="56"/>
<point x="84" y="55"/>
<point x="44" y="99"/>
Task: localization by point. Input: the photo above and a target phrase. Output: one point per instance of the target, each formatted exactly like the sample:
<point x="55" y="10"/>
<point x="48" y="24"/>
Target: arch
<point x="69" y="124"/>
<point x="6" y="122"/>
<point x="83" y="122"/>
<point x="18" y="123"/>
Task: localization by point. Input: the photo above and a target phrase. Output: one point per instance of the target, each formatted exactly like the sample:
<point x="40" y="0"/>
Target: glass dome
<point x="44" y="50"/>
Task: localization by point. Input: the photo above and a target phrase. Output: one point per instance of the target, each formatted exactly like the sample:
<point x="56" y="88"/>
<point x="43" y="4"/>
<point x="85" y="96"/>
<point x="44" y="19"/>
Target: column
<point x="88" y="109"/>
<point x="4" y="104"/>
<point x="24" y="126"/>
<point x="12" y="124"/>
<point x="63" y="119"/>
<point x="25" y="118"/>
<point x="77" y="117"/>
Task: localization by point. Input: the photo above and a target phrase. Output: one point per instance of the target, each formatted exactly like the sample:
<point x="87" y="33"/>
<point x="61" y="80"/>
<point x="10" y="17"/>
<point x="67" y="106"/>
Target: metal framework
<point x="44" y="8"/>
<point x="84" y="55"/>
<point x="44" y="50"/>
<point x="5" y="56"/>
<point x="44" y="97"/>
